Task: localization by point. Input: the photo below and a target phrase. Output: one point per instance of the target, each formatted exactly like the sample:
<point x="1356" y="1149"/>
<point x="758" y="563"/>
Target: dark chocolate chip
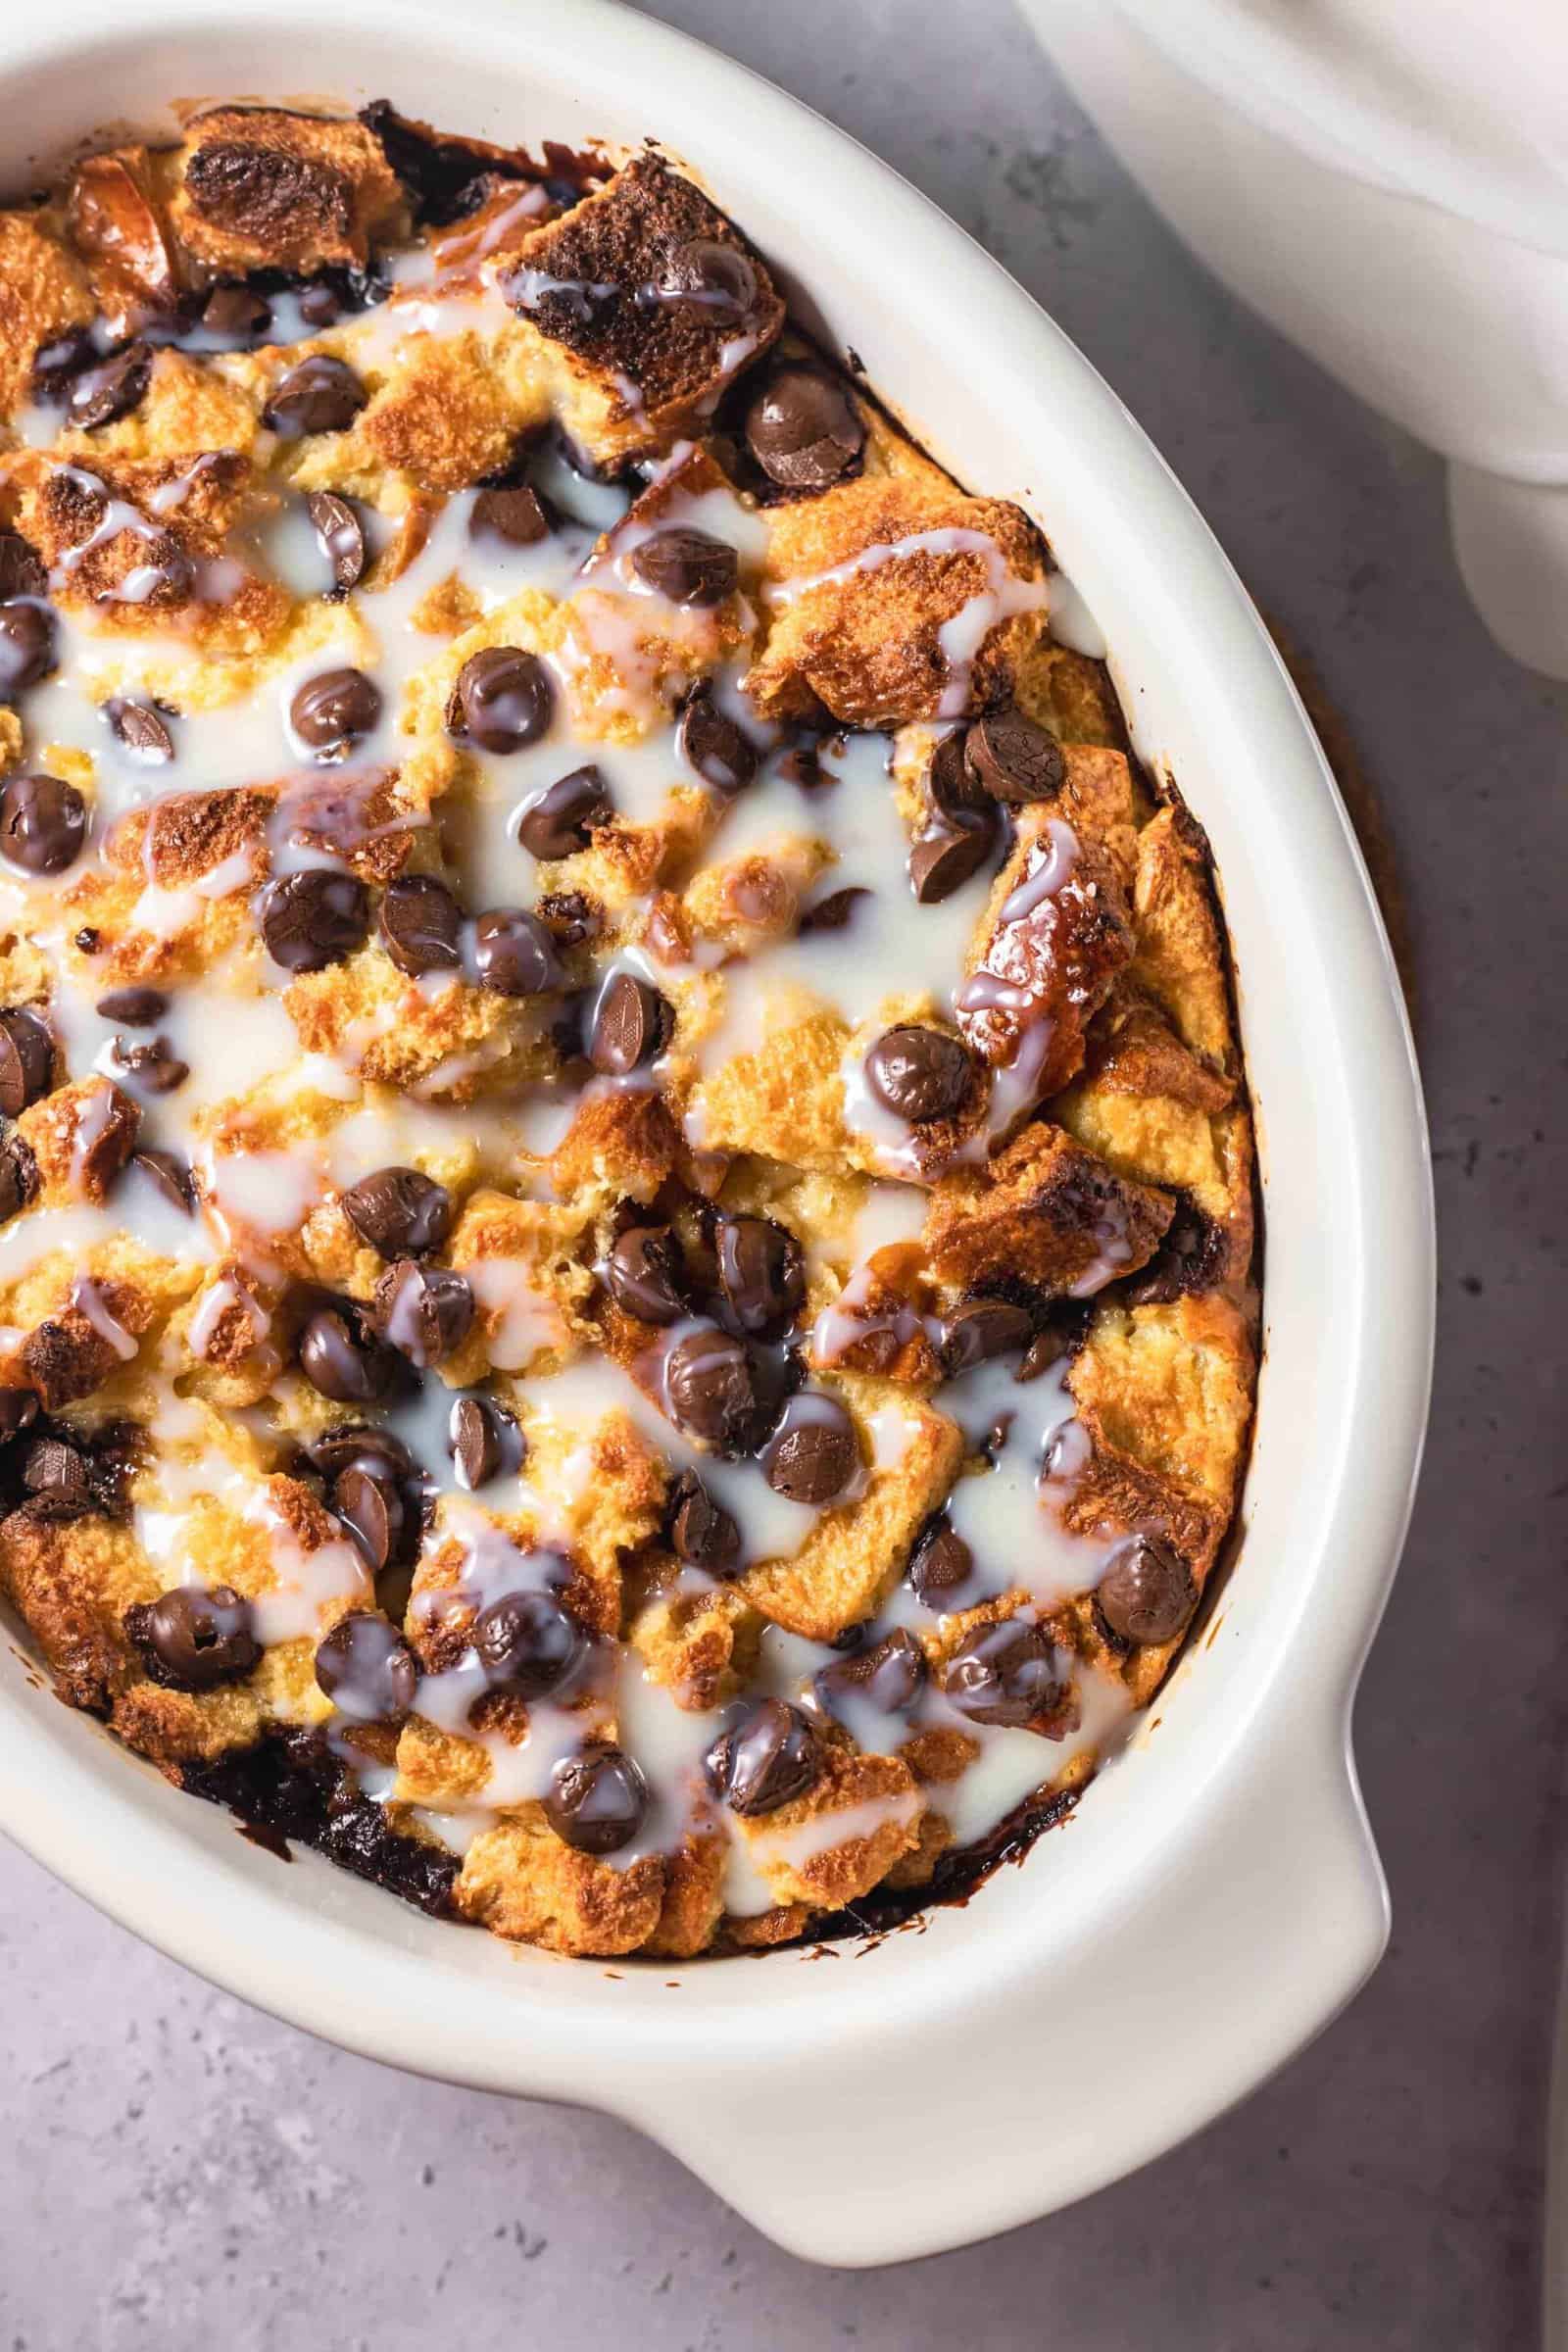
<point x="425" y="1312"/>
<point x="55" y="364"/>
<point x="98" y="395"/>
<point x="515" y="514"/>
<point x="399" y="1211"/>
<point x="919" y="1075"/>
<point x="1191" y="1257"/>
<point x="646" y="1276"/>
<point x="422" y="925"/>
<point x="713" y="745"/>
<point x="367" y="1669"/>
<point x="528" y="1644"/>
<point x="314" y="918"/>
<point x="133" y="1008"/>
<point x="813" y="1456"/>
<point x="710" y="1385"/>
<point x="1009" y="1674"/>
<point x="236" y="310"/>
<point x="193" y="1638"/>
<point x="19" y="1409"/>
<point x="940" y="1562"/>
<point x="334" y="711"/>
<point x="319" y="395"/>
<point x="953" y="789"/>
<point x="18" y="1176"/>
<point x="1013" y="760"/>
<point x="943" y="858"/>
<point x="715" y="284"/>
<point x="140" y="730"/>
<point x="762" y="1274"/>
<point x="342" y="1361"/>
<point x="55" y="1474"/>
<point x="890" y="1677"/>
<point x="322" y="303"/>
<point x="558" y="822"/>
<point x="356" y="1441"/>
<point x="834" y="913"/>
<point x="337" y="526"/>
<point x="171" y="1175"/>
<point x="569" y="916"/>
<point x="152" y="1066"/>
<point x="702" y="1533"/>
<point x="43" y="823"/>
<point x="365" y="1497"/>
<point x="484" y="1440"/>
<point x="1146" y="1593"/>
<point x="686" y="567"/>
<point x="22" y="567"/>
<point x="26" y="1060"/>
<point x="501" y="701"/>
<point x="768" y="1756"/>
<point x="802" y="428"/>
<point x="515" y="954"/>
<point x="975" y="1333"/>
<point x="632" y="1024"/>
<point x="596" y="1799"/>
<point x="26" y="648"/>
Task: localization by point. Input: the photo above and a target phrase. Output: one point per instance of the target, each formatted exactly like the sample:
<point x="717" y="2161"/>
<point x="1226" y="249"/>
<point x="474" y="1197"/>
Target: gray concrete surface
<point x="180" y="2172"/>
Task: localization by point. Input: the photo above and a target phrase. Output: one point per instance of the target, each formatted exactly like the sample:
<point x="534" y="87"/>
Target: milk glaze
<point x="509" y="710"/>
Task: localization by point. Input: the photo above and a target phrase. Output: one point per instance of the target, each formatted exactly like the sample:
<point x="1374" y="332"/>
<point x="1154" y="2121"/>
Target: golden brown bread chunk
<point x="1045" y="1215"/>
<point x="42" y="293"/>
<point x="257" y="188"/>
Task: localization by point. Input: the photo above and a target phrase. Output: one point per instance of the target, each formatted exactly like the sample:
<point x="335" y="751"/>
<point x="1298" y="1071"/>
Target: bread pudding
<point x="626" y="1232"/>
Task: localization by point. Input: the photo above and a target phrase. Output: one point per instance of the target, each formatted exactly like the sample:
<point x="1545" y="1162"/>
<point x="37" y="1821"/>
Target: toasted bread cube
<point x="842" y="1837"/>
<point x="1045" y="1215"/>
<point x="522" y="1881"/>
<point x="259" y="188"/>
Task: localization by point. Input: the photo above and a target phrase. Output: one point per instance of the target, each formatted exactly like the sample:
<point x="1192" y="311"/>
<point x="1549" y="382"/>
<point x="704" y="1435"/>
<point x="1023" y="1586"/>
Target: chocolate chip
<point x="528" y="1644"/>
<point x="762" y="1274"/>
<point x="1008" y="1674"/>
<point x="632" y="1024"/>
<point x="322" y="303"/>
<point x="334" y="710"/>
<point x="399" y="1211"/>
<point x="712" y="283"/>
<point x="702" y="1533"/>
<point x="768" y="1755"/>
<point x="685" y="566"/>
<point x="890" y="1677"/>
<point x="813" y="1455"/>
<point x="26" y="1060"/>
<point x="425" y="1312"/>
<point x="154" y="1066"/>
<point x="515" y="954"/>
<point x="43" y="823"/>
<point x="19" y="1409"/>
<point x="646" y="1275"/>
<point x="1013" y="760"/>
<point x="56" y="1475"/>
<point x="974" y="1334"/>
<point x="953" y="789"/>
<point x="802" y="428"/>
<point x="1191" y="1257"/>
<point x="943" y="858"/>
<point x="596" y="1799"/>
<point x="98" y="395"/>
<point x="171" y="1175"/>
<point x="485" y="1440"/>
<point x="337" y="526"/>
<point x="18" y="1176"/>
<point x="365" y="1498"/>
<point x="55" y="364"/>
<point x="318" y="396"/>
<point x="569" y="916"/>
<point x="1146" y="1593"/>
<point x="342" y="1361"/>
<point x="133" y="1008"/>
<point x="367" y="1669"/>
<point x="422" y="925"/>
<point x="140" y="729"/>
<point x="713" y="745"/>
<point x="516" y="514"/>
<point x="711" y="1389"/>
<point x="22" y="567"/>
<point x="558" y="822"/>
<point x="503" y="699"/>
<point x="26" y="648"/>
<point x="236" y="310"/>
<point x="357" y="1441"/>
<point x="919" y="1075"/>
<point x="940" y="1562"/>
<point x="834" y="913"/>
<point x="193" y="1639"/>
<point x="314" y="918"/>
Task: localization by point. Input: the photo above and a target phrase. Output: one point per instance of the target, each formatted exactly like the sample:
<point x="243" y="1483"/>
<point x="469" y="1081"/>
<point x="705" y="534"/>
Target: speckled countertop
<point x="184" y="2173"/>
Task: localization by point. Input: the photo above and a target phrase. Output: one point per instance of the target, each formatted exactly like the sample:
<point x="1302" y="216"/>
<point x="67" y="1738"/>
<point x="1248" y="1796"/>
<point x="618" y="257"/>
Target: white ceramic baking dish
<point x="1217" y="1897"/>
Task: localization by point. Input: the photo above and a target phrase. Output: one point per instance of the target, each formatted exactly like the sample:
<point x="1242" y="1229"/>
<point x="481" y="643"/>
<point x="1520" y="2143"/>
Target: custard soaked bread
<point x="625" y="1189"/>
